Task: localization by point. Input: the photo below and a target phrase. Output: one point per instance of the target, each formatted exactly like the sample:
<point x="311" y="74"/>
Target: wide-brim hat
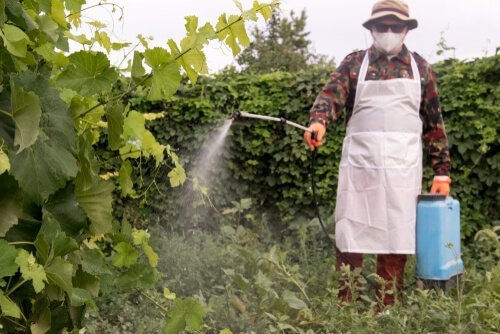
<point x="395" y="8"/>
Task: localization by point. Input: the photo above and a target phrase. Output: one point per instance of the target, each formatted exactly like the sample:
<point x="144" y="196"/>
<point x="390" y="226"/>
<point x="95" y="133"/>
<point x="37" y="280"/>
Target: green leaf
<point x="58" y="13"/>
<point x="89" y="73"/>
<point x="4" y="163"/>
<point x="49" y="27"/>
<point x="151" y="254"/>
<point x="8" y="307"/>
<point x="139" y="140"/>
<point x="94" y="263"/>
<point x="36" y="172"/>
<point x="126" y="184"/>
<point x="80" y="297"/>
<point x="291" y="299"/>
<point x="10" y="212"/>
<point x="265" y="10"/>
<point x="139" y="275"/>
<point x="8" y="255"/>
<point x="103" y="39"/>
<point x="187" y="314"/>
<point x="114" y="116"/>
<point x="125" y="256"/>
<point x="87" y="281"/>
<point x="137" y="68"/>
<point x="232" y="31"/>
<point x="192" y="60"/>
<point x="26" y="113"/>
<point x="177" y="176"/>
<point x="65" y="209"/>
<point x="42" y="317"/>
<point x="3" y="17"/>
<point x="166" y="76"/>
<point x="31" y="270"/>
<point x="74" y="5"/>
<point x="97" y="204"/>
<point x="196" y="39"/>
<point x="60" y="273"/>
<point x="34" y="168"/>
<point x="47" y="52"/>
<point x="88" y="174"/>
<point x="165" y="82"/>
<point x="15" y="40"/>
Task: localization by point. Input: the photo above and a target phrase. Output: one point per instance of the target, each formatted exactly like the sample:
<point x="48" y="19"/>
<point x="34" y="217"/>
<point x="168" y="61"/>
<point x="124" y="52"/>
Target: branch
<point x="98" y="5"/>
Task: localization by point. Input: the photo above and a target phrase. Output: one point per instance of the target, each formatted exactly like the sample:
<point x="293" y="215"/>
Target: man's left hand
<point x="441" y="185"/>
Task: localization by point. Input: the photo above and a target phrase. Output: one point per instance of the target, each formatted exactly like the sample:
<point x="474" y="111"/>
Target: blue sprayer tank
<point x="439" y="263"/>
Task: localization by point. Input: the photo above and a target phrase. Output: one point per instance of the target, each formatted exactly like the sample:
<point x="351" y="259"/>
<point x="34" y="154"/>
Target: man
<point x="392" y="104"/>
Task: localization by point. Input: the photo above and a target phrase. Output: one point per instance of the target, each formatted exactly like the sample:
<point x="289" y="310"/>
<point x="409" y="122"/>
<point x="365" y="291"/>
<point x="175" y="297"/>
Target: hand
<point x="441" y="185"/>
<point x="320" y="131"/>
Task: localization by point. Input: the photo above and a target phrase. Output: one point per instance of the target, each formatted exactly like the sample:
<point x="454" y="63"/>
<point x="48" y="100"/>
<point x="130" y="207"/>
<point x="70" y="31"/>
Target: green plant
<point x="60" y="245"/>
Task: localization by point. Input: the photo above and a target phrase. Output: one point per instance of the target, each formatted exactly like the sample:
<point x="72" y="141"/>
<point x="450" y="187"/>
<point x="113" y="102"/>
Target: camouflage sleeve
<point x="434" y="133"/>
<point x="331" y="100"/>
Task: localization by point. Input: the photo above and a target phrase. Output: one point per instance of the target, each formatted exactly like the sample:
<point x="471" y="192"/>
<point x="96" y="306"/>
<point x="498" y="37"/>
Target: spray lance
<point x="284" y="121"/>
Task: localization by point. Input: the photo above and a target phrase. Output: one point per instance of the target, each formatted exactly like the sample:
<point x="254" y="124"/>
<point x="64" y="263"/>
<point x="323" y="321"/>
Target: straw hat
<point x="396" y="8"/>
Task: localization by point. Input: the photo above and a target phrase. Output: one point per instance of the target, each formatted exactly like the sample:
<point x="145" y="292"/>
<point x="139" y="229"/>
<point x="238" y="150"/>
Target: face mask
<point x="388" y="41"/>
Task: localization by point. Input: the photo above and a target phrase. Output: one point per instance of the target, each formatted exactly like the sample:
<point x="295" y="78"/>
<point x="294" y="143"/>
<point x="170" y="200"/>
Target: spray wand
<point x="282" y="120"/>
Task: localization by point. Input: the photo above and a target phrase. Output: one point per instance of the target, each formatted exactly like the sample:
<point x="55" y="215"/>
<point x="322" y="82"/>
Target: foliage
<point x="249" y="285"/>
<point x="60" y="245"/>
<point x="283" y="45"/>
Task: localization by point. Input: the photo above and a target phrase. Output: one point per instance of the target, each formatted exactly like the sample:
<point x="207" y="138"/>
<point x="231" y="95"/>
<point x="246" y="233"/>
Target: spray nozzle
<point x="235" y="116"/>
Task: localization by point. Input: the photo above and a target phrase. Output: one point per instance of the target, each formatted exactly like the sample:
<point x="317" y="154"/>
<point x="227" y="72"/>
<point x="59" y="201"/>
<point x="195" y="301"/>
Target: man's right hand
<point x="320" y="131"/>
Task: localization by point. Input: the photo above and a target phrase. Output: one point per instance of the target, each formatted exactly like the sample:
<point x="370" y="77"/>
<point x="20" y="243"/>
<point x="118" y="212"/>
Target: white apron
<point x="380" y="173"/>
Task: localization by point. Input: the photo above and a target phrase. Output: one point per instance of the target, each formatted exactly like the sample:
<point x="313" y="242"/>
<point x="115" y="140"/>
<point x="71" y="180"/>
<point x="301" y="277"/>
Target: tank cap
<point x="431" y="197"/>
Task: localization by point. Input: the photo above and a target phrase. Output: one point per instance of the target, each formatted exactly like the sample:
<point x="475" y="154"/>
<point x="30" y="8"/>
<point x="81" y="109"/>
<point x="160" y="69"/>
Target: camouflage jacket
<point x="340" y="91"/>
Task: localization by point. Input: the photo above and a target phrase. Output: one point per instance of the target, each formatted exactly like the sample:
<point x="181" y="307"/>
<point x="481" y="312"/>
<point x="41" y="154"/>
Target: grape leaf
<point x="151" y="254"/>
<point x="11" y="210"/>
<point x="139" y="139"/>
<point x="103" y="39"/>
<point x="191" y="59"/>
<point x="166" y="76"/>
<point x="232" y="31"/>
<point x="31" y="270"/>
<point x="60" y="273"/>
<point x="8" y="307"/>
<point x="125" y="256"/>
<point x="26" y="113"/>
<point x="177" y="176"/>
<point x="94" y="263"/>
<point x="15" y="40"/>
<point x="4" y="162"/>
<point x="35" y="168"/>
<point x="126" y="184"/>
<point x="114" y="116"/>
<point x="97" y="204"/>
<point x="137" y="68"/>
<point x="58" y="13"/>
<point x="139" y="275"/>
<point x="187" y="313"/>
<point x="49" y="27"/>
<point x="8" y="255"/>
<point x="65" y="209"/>
<point x="3" y="17"/>
<point x="89" y="73"/>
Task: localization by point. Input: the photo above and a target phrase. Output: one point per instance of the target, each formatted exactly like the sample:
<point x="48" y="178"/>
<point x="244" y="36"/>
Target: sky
<point x="471" y="27"/>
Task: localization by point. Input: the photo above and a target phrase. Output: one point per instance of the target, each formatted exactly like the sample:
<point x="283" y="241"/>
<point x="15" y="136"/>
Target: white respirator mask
<point x="388" y="41"/>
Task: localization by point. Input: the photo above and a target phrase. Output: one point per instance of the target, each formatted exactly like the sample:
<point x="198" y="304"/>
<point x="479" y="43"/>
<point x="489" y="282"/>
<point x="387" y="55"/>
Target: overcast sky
<point x="472" y="27"/>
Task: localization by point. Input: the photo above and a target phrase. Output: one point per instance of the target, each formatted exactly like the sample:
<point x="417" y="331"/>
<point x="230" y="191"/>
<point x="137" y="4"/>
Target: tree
<point x="282" y="46"/>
